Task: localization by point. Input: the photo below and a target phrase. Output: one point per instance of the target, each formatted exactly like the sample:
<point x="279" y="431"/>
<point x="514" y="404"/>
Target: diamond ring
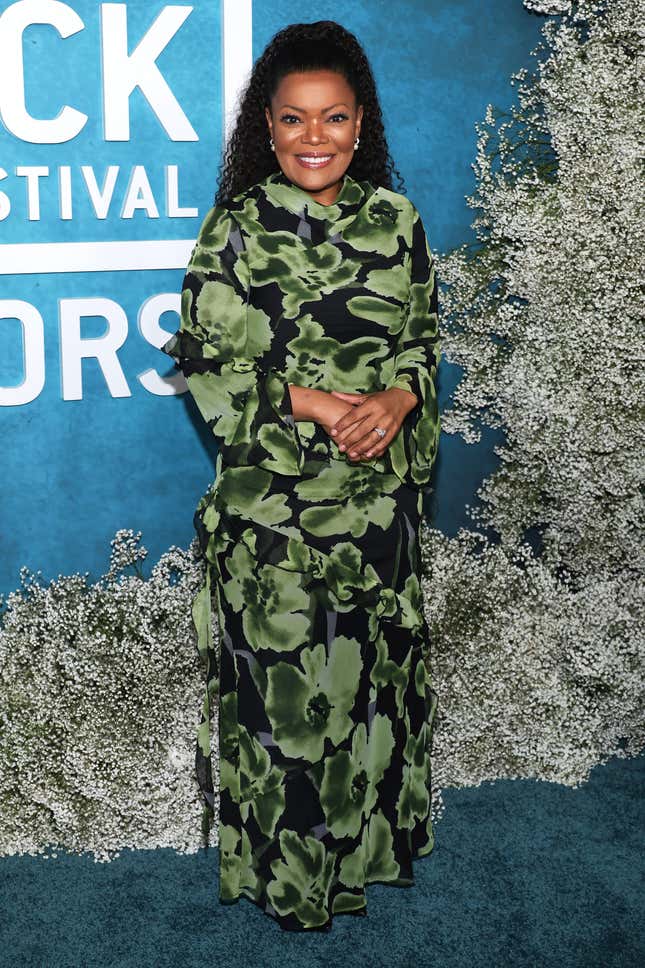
<point x="380" y="432"/>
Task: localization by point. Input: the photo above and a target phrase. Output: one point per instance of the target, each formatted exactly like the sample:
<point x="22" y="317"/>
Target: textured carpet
<point x="524" y="873"/>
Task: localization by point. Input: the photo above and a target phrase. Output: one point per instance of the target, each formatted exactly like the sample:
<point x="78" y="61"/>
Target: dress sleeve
<point x="412" y="453"/>
<point x="221" y="347"/>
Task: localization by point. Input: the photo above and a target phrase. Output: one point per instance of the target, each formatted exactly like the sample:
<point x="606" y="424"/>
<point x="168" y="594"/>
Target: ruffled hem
<point x="291" y="922"/>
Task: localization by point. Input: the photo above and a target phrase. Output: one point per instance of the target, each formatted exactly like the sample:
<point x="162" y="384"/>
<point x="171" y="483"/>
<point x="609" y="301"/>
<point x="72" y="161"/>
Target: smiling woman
<point x="311" y="138"/>
<point x="309" y="341"/>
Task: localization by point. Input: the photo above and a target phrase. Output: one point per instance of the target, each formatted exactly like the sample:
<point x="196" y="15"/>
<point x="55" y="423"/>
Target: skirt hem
<point x="286" y="922"/>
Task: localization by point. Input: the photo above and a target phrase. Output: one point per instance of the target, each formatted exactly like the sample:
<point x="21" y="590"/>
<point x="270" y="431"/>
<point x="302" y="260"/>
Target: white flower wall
<point x="537" y="619"/>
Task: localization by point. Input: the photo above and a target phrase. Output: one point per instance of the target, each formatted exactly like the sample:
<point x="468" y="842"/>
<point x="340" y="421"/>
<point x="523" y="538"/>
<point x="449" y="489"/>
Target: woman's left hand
<point x="354" y="432"/>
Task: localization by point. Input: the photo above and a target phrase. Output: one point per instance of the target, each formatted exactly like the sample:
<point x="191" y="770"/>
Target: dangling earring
<point x="356" y="143"/>
<point x="272" y="144"/>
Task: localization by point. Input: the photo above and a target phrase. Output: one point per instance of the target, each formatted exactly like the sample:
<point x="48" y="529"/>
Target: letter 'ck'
<point x="121" y="72"/>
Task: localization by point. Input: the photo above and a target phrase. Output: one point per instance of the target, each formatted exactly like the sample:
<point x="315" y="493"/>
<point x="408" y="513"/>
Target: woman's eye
<point x="290" y="118"/>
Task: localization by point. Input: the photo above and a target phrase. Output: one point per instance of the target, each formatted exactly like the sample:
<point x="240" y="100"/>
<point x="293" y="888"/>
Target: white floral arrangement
<point x="535" y="613"/>
<point x="100" y="695"/>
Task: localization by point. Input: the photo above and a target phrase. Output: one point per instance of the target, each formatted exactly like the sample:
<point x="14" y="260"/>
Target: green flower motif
<point x="411" y="602"/>
<point x="303" y="879"/>
<point x="305" y="708"/>
<point x="419" y="312"/>
<point x="348" y="788"/>
<point x="317" y="360"/>
<point x="404" y="608"/>
<point x="230" y="862"/>
<point x="422" y="678"/>
<point x="231" y="328"/>
<point x="294" y="199"/>
<point x="245" y="490"/>
<point x="246" y="770"/>
<point x="212" y="241"/>
<point x="229" y="747"/>
<point x="214" y="232"/>
<point x="377" y="310"/>
<point x="427" y="847"/>
<point x="236" y="866"/>
<point x="373" y="859"/>
<point x="272" y="600"/>
<point x="345" y="575"/>
<point x="361" y="499"/>
<point x="392" y="282"/>
<point x="221" y="397"/>
<point x="248" y="217"/>
<point x="345" y="901"/>
<point x="385" y="672"/>
<point x="302" y="271"/>
<point x="414" y="798"/>
<point x="377" y="226"/>
<point x="211" y="516"/>
<point x="387" y="607"/>
<point x="261" y="784"/>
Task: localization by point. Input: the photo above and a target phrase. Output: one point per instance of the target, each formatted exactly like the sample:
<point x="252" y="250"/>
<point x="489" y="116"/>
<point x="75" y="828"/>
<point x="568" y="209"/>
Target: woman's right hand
<point x="317" y="405"/>
<point x="331" y="409"/>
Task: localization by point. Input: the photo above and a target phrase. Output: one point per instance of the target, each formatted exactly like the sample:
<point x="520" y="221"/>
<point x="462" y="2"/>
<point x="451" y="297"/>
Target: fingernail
<point x="342" y="447"/>
<point x="334" y="432"/>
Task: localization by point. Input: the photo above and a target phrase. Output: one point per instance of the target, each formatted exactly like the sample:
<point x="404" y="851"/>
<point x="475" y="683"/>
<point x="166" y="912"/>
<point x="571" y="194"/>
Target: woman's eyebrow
<point x="323" y="110"/>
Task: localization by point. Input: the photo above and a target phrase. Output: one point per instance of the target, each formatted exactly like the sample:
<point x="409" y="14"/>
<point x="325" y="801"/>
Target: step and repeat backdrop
<point x="113" y="118"/>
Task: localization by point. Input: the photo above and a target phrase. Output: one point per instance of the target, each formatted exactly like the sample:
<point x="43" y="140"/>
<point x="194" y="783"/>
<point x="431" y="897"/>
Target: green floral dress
<point x="323" y="694"/>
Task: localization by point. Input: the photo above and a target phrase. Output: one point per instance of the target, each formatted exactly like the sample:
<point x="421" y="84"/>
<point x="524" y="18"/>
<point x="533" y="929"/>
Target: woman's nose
<point x="313" y="133"/>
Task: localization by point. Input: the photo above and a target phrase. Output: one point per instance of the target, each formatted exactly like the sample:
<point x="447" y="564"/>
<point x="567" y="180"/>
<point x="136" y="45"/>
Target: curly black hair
<point x="323" y="45"/>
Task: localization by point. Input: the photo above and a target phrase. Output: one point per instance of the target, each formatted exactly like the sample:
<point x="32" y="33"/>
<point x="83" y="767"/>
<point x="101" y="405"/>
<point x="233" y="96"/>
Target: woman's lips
<point x="313" y="161"/>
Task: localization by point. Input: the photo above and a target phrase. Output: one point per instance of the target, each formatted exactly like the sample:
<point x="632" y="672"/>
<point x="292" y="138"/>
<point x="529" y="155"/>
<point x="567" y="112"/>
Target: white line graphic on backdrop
<point x="29" y="257"/>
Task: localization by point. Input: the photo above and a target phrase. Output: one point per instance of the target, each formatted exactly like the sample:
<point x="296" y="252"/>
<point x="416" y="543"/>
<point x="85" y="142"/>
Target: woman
<point x="309" y="342"/>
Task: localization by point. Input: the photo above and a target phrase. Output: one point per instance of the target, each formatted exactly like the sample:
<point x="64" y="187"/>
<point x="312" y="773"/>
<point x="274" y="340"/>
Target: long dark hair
<point x="323" y="45"/>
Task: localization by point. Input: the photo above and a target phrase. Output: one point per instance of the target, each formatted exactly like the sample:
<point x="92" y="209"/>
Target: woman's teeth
<point x="312" y="161"/>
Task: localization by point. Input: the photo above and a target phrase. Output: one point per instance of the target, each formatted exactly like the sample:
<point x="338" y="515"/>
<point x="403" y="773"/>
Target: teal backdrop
<point x="92" y="453"/>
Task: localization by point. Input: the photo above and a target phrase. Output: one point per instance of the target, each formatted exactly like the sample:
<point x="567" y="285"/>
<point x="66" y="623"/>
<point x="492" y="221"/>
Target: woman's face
<point x="314" y="121"/>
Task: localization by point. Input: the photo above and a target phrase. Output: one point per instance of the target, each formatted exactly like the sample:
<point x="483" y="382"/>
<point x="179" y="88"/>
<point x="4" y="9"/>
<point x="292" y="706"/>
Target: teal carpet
<point x="524" y="873"/>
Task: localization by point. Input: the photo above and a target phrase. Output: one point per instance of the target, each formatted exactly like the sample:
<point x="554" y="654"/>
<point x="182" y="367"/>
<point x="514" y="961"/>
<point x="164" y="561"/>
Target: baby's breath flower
<point x="100" y="690"/>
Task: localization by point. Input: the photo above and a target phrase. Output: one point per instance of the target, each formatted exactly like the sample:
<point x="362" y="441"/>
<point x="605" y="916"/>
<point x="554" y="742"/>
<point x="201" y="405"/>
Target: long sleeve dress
<point x="323" y="695"/>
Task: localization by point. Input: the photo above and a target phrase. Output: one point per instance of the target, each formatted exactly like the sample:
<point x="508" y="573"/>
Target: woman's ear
<point x="267" y="115"/>
<point x="359" y="118"/>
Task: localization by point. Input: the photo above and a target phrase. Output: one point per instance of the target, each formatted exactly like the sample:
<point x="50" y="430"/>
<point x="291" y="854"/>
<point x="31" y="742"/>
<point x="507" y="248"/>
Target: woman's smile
<point x="314" y="160"/>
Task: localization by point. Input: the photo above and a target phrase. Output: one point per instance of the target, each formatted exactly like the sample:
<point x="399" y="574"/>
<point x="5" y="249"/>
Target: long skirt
<point x="321" y="683"/>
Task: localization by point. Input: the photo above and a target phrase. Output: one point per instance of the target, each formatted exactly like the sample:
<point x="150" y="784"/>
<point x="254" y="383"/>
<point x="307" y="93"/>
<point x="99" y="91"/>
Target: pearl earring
<point x="356" y="143"/>
<point x="272" y="144"/>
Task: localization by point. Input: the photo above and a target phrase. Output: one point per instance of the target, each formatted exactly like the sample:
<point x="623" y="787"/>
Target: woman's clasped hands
<point x="354" y="432"/>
